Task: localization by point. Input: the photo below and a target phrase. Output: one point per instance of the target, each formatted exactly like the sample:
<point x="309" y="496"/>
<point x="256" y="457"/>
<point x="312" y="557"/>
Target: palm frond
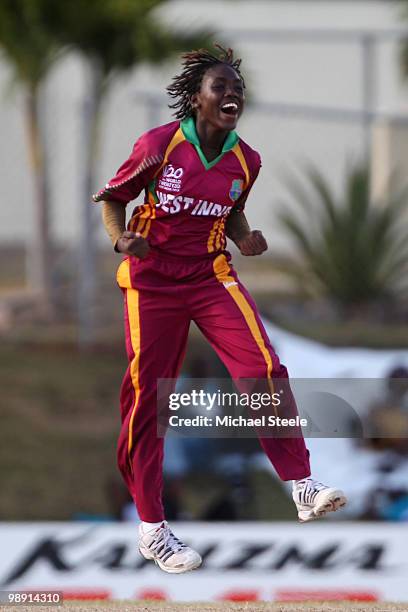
<point x="297" y="232"/>
<point x="359" y="252"/>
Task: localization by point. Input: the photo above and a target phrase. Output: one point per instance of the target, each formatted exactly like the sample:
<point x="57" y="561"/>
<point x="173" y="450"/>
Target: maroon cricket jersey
<point x="187" y="199"/>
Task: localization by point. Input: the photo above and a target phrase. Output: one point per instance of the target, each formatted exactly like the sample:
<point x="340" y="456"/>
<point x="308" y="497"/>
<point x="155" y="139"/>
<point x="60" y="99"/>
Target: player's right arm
<point x="132" y="177"/>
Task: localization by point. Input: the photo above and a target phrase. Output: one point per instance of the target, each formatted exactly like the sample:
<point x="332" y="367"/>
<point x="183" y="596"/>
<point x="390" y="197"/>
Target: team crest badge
<point x="236" y="189"/>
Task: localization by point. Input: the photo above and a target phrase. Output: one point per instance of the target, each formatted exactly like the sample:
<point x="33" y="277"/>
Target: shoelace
<point x="165" y="543"/>
<point x="309" y="490"/>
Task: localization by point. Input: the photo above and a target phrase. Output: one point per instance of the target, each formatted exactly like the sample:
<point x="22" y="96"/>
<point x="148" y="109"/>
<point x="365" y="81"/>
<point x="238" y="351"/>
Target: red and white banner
<point x="242" y="561"/>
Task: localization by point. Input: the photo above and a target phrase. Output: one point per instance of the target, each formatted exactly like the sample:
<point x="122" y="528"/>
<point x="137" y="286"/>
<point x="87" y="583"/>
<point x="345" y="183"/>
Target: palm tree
<point x="30" y="47"/>
<point x="352" y="250"/>
<point x="114" y="36"/>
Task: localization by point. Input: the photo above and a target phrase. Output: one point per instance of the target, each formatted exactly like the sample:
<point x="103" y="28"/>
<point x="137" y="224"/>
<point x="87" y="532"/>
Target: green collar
<point x="189" y="130"/>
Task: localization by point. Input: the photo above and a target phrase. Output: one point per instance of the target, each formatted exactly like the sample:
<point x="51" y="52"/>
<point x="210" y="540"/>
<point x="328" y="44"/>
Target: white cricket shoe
<point x="170" y="554"/>
<point x="314" y="499"/>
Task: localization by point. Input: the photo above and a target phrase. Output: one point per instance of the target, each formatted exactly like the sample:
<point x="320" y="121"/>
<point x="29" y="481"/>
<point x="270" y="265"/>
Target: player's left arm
<point x="249" y="242"/>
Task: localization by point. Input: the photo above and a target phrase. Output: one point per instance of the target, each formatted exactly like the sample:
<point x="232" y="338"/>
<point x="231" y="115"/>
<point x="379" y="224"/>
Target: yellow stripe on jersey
<point x="176" y="140"/>
<point x="216" y="239"/>
<point x="211" y="237"/>
<point x="152" y="214"/>
<point x="146" y="230"/>
<point x="139" y="220"/>
<point x="238" y="152"/>
<point x="142" y="219"/>
<point x="222" y="273"/>
<point x="152" y="205"/>
<point x="220" y="234"/>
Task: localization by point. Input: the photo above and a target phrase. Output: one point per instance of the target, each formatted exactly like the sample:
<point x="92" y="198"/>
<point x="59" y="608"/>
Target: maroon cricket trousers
<point x="162" y="295"/>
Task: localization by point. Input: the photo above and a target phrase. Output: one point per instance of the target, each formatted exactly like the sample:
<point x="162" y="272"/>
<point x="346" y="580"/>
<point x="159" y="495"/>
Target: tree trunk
<point x="89" y="213"/>
<point x="40" y="251"/>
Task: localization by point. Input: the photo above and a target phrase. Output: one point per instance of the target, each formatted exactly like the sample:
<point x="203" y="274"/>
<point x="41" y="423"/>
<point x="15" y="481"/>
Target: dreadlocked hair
<point x="195" y="65"/>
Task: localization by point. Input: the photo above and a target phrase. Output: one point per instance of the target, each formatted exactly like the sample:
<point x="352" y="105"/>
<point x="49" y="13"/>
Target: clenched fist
<point x="252" y="243"/>
<point x="133" y="244"/>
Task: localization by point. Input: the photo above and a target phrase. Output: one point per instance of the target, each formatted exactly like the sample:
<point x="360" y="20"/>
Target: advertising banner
<point x="242" y="561"/>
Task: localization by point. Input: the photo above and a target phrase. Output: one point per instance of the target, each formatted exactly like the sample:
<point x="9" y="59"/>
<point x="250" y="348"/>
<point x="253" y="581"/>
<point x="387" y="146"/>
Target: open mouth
<point x="230" y="108"/>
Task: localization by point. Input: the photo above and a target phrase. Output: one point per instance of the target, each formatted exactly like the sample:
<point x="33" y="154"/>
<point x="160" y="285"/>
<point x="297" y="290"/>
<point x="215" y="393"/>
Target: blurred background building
<point x="316" y="72"/>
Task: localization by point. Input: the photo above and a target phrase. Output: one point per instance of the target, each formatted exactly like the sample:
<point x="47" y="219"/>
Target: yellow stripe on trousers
<point x="134" y="326"/>
<point x="222" y="272"/>
<point x="132" y="297"/>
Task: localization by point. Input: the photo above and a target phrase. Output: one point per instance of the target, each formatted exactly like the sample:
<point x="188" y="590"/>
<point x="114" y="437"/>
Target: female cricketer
<point x="196" y="173"/>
